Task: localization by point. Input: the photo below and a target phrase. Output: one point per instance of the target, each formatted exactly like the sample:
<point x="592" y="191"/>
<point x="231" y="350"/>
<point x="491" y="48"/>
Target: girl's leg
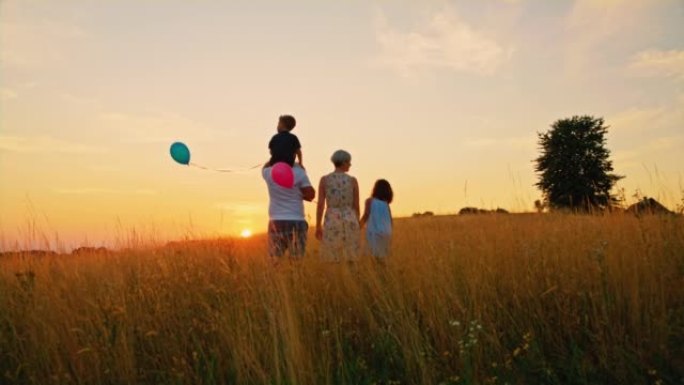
<point x="379" y="244"/>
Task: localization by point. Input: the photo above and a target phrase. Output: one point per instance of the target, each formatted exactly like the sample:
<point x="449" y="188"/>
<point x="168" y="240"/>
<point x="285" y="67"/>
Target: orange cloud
<point x="442" y="41"/>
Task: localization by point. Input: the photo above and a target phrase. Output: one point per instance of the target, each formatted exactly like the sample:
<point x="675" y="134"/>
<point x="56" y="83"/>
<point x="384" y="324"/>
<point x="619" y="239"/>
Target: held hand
<point x="319" y="233"/>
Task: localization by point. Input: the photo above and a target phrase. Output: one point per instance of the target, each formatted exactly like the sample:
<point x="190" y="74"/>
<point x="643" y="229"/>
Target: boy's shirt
<point x="284" y="146"/>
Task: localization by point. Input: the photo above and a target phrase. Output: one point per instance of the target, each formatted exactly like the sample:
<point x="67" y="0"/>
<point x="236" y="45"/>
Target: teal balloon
<point x="180" y="153"/>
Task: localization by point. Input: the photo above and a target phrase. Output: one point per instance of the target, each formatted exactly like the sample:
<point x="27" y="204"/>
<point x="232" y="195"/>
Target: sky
<point x="442" y="98"/>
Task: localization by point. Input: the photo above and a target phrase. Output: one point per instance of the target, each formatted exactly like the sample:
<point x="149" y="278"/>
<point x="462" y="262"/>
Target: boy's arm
<point x="299" y="156"/>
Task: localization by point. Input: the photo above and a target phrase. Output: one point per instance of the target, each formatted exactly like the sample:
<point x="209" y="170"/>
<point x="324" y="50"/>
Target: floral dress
<point x="341" y="232"/>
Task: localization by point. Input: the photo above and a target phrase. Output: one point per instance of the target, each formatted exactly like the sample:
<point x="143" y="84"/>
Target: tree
<point x="574" y="168"/>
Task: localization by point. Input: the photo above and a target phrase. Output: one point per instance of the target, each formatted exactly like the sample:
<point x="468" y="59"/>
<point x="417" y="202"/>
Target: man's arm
<point x="308" y="193"/>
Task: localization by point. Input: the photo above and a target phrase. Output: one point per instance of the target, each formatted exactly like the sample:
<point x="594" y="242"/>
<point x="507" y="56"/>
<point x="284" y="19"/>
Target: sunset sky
<point x="442" y="98"/>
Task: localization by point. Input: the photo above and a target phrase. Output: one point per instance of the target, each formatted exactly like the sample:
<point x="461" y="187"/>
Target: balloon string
<point x="235" y="170"/>
<point x="225" y="169"/>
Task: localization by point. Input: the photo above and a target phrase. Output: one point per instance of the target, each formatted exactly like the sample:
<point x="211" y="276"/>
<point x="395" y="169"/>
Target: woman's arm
<point x="320" y="207"/>
<point x="357" y="210"/>
<point x="366" y="212"/>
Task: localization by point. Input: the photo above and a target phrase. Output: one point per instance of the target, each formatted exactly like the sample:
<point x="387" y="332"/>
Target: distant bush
<point x="424" y="214"/>
<point x="29" y="253"/>
<point x="475" y="210"/>
<point x="90" y="250"/>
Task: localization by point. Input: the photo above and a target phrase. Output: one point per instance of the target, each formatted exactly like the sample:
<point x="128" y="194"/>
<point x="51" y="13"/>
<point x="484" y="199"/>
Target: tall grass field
<point x="489" y="299"/>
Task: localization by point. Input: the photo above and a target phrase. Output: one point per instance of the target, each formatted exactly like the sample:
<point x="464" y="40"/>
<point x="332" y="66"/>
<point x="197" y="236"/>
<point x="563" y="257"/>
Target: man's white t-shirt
<point x="286" y="204"/>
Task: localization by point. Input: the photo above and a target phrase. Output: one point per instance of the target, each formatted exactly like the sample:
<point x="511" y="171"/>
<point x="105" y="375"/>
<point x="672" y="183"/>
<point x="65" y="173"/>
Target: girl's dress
<point x="341" y="227"/>
<point x="379" y="228"/>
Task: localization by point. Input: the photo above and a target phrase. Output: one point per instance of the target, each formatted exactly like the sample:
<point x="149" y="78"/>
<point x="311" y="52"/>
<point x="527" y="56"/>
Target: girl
<point x="378" y="216"/>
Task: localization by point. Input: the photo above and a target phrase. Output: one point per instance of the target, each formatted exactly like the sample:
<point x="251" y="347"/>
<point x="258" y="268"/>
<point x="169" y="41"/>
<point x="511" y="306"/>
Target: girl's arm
<point x="391" y="216"/>
<point x="366" y="212"/>
<point x="320" y="207"/>
<point x="357" y="210"/>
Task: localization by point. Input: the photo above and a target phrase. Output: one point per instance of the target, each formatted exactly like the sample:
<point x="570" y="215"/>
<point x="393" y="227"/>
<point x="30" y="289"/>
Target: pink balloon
<point x="282" y="174"/>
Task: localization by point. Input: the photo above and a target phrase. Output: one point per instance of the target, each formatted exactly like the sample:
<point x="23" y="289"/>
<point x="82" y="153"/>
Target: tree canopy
<point x="574" y="168"/>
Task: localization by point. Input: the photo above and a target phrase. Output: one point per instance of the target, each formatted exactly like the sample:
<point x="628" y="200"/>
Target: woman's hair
<point x="383" y="191"/>
<point x="340" y="157"/>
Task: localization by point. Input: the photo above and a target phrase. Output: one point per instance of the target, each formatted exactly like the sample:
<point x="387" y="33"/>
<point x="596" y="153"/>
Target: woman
<point x="340" y="193"/>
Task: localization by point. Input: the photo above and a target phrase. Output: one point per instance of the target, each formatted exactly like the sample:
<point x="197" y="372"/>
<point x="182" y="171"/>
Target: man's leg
<point x="277" y="239"/>
<point x="300" y="231"/>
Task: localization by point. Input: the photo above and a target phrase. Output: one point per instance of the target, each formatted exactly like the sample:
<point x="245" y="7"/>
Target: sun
<point x="246" y="233"/>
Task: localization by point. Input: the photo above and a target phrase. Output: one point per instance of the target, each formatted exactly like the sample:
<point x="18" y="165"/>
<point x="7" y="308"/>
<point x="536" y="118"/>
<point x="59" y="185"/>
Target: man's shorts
<point x="287" y="235"/>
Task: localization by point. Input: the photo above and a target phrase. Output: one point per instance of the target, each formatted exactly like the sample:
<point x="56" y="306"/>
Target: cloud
<point x="594" y="26"/>
<point x="45" y="144"/>
<point x="77" y="99"/>
<point x="636" y="119"/>
<point x="443" y="41"/>
<point x="158" y="128"/>
<point x="241" y="208"/>
<point x="29" y="40"/>
<point x="518" y="143"/>
<point x="669" y="64"/>
<point x="652" y="119"/>
<point x="103" y="191"/>
<point x="648" y="132"/>
<point x="656" y="146"/>
<point x="7" y="94"/>
<point x="108" y="168"/>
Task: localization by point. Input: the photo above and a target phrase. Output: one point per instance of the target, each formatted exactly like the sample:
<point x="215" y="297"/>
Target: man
<point x="287" y="227"/>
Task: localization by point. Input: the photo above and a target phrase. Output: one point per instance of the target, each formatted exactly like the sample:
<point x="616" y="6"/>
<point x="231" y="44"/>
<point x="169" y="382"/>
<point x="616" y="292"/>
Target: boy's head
<point x="286" y="123"/>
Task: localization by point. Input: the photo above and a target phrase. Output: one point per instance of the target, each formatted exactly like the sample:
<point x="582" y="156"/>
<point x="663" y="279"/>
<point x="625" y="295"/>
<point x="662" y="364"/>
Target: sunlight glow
<point x="246" y="233"/>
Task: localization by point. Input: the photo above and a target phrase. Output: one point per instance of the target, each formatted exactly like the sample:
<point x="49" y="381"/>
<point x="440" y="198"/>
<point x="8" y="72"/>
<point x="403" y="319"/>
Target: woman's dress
<point x="341" y="233"/>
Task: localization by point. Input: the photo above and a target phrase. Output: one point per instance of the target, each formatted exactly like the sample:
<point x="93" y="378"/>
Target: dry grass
<point x="488" y="299"/>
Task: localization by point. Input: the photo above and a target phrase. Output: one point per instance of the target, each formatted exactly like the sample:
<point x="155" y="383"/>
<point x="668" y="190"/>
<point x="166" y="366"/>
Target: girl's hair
<point x="383" y="191"/>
